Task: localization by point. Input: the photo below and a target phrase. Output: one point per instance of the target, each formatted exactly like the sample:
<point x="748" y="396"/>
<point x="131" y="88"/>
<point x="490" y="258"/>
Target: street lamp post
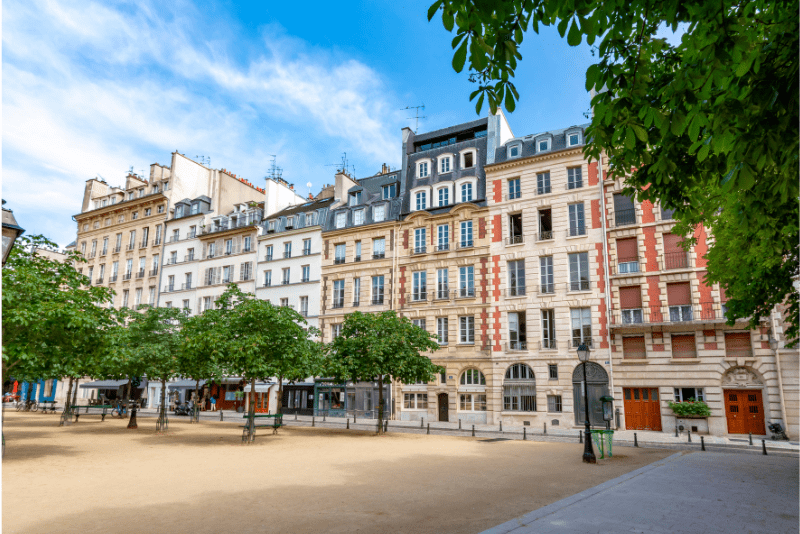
<point x="11" y="231"/>
<point x="588" y="450"/>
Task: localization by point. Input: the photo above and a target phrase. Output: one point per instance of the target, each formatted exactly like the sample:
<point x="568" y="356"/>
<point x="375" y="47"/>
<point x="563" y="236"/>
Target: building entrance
<point x="642" y="409"/>
<point x="444" y="407"/>
<point x="744" y="410"/>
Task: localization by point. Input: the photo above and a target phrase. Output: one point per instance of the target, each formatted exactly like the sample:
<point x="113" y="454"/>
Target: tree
<point x="54" y="320"/>
<point x="152" y="340"/>
<point x="379" y="346"/>
<point x="705" y="126"/>
<point x="266" y="341"/>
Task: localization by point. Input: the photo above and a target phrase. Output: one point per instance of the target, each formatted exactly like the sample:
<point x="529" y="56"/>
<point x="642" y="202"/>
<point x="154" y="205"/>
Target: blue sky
<point x="94" y="87"/>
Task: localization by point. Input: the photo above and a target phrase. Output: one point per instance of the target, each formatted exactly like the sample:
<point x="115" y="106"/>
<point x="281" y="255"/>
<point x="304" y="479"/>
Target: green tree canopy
<point x="378" y="346"/>
<point x="704" y="126"/>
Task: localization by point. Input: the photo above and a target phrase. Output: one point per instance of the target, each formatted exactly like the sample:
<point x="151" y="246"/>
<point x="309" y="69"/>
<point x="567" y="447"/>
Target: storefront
<point x="350" y="399"/>
<point x="298" y="398"/>
<point x="110" y="390"/>
<point x="265" y="396"/>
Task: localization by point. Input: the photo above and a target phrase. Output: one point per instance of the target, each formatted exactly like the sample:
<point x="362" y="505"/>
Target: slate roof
<point x="371" y="189"/>
<point x="320" y="206"/>
<point x="529" y="142"/>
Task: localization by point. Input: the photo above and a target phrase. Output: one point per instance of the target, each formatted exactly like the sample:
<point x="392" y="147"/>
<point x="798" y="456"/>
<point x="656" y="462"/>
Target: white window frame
<point x="569" y="139"/>
<point x="423" y="169"/>
<point x="445" y="164"/>
<point x="341" y="219"/>
<point x="420" y="200"/>
<point x="466" y="330"/>
<point x="442" y="327"/>
<point x="379" y="213"/>
<point x="510" y="150"/>
<point x="443" y="191"/>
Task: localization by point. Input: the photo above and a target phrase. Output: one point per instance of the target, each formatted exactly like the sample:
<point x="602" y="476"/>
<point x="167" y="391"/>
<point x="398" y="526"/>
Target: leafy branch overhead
<point x="707" y="127"/>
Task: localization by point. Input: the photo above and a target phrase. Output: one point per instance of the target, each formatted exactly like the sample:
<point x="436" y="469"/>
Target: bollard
<point x="580" y="437"/>
<point x="702" y="443"/>
<point x="348" y="423"/>
<point x="524" y="433"/>
<point x="545" y="428"/>
<point x="429" y="428"/>
<point x="676" y="429"/>
<point x="635" y="440"/>
<point x="750" y="436"/>
<point x="690" y="436"/>
<point x="354" y="418"/>
<point x="313" y="422"/>
<point x="295" y="416"/>
<point x="459" y="424"/>
<point x="220" y="416"/>
<point x="386" y="425"/>
<point x="501" y="426"/>
<point x="323" y="418"/>
<point x="473" y="431"/>
<point x="764" y="447"/>
<point x="421" y="422"/>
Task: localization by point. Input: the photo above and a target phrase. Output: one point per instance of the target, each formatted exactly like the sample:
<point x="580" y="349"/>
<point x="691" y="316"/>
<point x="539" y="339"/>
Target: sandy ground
<point x="101" y="477"/>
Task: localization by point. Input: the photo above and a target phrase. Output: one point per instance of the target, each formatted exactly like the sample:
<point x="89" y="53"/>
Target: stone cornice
<point x="532" y="159"/>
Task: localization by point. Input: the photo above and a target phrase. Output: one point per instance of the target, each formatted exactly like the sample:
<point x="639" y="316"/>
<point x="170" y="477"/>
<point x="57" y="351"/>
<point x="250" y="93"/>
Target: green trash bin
<point x="604" y="440"/>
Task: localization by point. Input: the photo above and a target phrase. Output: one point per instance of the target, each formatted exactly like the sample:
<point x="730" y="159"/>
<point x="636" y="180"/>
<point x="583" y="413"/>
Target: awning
<point x="184" y="384"/>
<point x="260" y="388"/>
<point x="105" y="384"/>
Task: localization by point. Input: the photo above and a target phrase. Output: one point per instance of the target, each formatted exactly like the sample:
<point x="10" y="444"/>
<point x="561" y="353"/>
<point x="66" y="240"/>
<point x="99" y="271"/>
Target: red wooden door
<point x="642" y="409"/>
<point x="744" y="410"/>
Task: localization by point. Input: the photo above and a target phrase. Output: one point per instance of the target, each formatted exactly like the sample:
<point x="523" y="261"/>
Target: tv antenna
<point x="344" y="166"/>
<point x="275" y="172"/>
<point x="416" y="116"/>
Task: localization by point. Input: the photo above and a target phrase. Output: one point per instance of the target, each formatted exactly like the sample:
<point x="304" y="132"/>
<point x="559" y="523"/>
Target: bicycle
<point x="27" y="406"/>
<point x="119" y="411"/>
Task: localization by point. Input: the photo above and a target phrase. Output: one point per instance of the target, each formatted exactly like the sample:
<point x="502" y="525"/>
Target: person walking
<point x="213" y="404"/>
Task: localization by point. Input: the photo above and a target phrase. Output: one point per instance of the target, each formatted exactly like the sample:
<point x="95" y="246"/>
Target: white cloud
<point x="93" y="88"/>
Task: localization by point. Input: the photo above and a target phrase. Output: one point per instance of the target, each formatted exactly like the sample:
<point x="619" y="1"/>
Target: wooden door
<point x="444" y="406"/>
<point x="744" y="410"/>
<point x="642" y="409"/>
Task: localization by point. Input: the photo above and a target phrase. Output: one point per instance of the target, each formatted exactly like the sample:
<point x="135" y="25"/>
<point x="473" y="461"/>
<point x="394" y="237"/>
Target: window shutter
<point x="206" y="279"/>
<point x="204" y="252"/>
<point x="672" y="244"/>
<point x="633" y="348"/>
<point x="241" y="272"/>
<point x="630" y="297"/>
<point x="738" y="345"/>
<point x="627" y="250"/>
<point x="237" y="245"/>
<point x="679" y="294"/>
<point x="683" y="346"/>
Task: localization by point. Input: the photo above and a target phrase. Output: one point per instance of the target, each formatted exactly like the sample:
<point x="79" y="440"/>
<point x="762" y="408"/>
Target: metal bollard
<point x="459" y="424"/>
<point x="313" y="421"/>
<point x="764" y="447"/>
<point x="580" y="437"/>
<point x="429" y="428"/>
<point x="676" y="430"/>
<point x="220" y="416"/>
<point x="386" y="425"/>
<point x="354" y="418"/>
<point x="295" y="416"/>
<point x="473" y="432"/>
<point x="545" y="428"/>
<point x="421" y="422"/>
<point x="348" y="423"/>
<point x="323" y="418"/>
<point x="635" y="440"/>
<point x="501" y="426"/>
<point x="690" y="436"/>
<point x="524" y="433"/>
<point x="750" y="437"/>
<point x="702" y="443"/>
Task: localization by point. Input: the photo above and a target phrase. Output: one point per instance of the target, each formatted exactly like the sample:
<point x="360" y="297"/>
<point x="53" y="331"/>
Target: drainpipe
<point x="605" y="272"/>
<point x="773" y="320"/>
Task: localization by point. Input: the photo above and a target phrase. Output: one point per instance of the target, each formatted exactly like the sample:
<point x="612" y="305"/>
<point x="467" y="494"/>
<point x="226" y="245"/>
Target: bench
<point x="277" y="422"/>
<point x="101" y="410"/>
<point x="48" y="405"/>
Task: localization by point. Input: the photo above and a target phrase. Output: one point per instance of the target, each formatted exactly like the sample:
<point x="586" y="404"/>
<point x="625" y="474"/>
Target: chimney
<point x="310" y="196"/>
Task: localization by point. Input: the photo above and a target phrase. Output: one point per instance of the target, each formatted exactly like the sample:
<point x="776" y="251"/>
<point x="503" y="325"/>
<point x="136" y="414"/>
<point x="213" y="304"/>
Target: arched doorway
<point x="597" y="380"/>
<point x="444" y="407"/>
<point x="744" y="402"/>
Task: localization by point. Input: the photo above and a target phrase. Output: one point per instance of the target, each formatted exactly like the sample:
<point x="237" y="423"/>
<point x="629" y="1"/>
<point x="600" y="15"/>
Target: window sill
<point x="517" y="244"/>
<point x="632" y="361"/>
<point x="580" y="236"/>
<point x="684" y="360"/>
<point x="465" y="344"/>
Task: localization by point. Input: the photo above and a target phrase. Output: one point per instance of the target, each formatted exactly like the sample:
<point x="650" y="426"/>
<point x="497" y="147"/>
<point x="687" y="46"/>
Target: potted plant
<point x="690" y="409"/>
<point x="239" y="396"/>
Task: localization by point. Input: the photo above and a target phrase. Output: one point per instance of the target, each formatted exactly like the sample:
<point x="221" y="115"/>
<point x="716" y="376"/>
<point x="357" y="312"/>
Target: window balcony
<point x="157" y="242"/>
<point x="305" y="279"/>
<point x="441" y="247"/>
<point x="704" y="312"/>
<point x="466" y="292"/>
<point x="624" y="217"/>
<point x="378" y="255"/>
<point x="627" y="266"/>
<point x="377" y="300"/>
<point x="210" y="255"/>
<point x="578" y="285"/>
<point x="418" y="250"/>
<point x="140" y="274"/>
<point x="116" y="250"/>
<point x="188" y="257"/>
<point x="227" y="280"/>
<point x="545" y="235"/>
<point x="442" y="293"/>
<point x="112" y="279"/>
<point x="515" y="240"/>
<point x="187" y="285"/>
<point x="127" y="276"/>
<point x="516" y="291"/>
<point x="267" y="284"/>
<point x="419" y="296"/>
<point x="268" y="257"/>
<point x="338" y="261"/>
<point x="131" y="246"/>
<point x="174" y="238"/>
<point x="517" y="345"/>
<point x="465" y="244"/>
<point x="304" y="313"/>
<point x="576" y="231"/>
<point x="338" y="304"/>
<point x="98" y="281"/>
<point x="547" y="289"/>
<point x="676" y="260"/>
<point x="169" y="289"/>
<point x="285" y="282"/>
<point x="357" y="258"/>
<point x="544" y="190"/>
<point x="143" y="244"/>
<point x="287" y="255"/>
<point x="245" y="277"/>
<point x="104" y="252"/>
<point x="154" y="272"/>
<point x="92" y="255"/>
<point x="306" y="252"/>
<point x="548" y="344"/>
<point x="578" y="341"/>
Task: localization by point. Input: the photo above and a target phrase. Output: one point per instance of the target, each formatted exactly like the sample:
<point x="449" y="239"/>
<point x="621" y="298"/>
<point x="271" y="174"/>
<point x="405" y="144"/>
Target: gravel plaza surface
<point x="96" y="476"/>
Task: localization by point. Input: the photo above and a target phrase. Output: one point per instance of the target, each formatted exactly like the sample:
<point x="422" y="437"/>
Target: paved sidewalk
<point x="714" y="493"/>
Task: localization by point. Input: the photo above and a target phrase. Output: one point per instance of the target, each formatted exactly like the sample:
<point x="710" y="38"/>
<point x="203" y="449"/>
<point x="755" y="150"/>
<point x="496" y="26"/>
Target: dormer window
<point x="130" y="195"/>
<point x="423" y="169"/>
<point x="544" y="145"/>
<point x="179" y="212"/>
<point x="469" y="160"/>
<point x="113" y="200"/>
<point x="195" y="208"/>
<point x="289" y="222"/>
<point x="355" y="198"/>
<point x="573" y="139"/>
<point x="309" y="219"/>
<point x="341" y="219"/>
<point x="141" y="193"/>
<point x="389" y="191"/>
<point x="271" y="226"/>
<point x="161" y="209"/>
<point x="166" y="186"/>
<point x="514" y="151"/>
<point x="103" y="203"/>
<point x="155" y="188"/>
<point x="421" y="200"/>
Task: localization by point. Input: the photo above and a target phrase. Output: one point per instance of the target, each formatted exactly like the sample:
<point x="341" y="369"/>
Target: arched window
<point x="519" y="389"/>
<point x="473" y="377"/>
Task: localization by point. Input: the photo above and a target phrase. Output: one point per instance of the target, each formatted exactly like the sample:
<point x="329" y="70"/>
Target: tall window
<point x="138" y="296"/>
<point x="356" y="291"/>
<point x="624" y="210"/>
<point x="336" y="330"/>
<point x="627" y="255"/>
<point x="574" y="178"/>
<point x="152" y="297"/>
<point x="306" y="273"/>
<point x="267" y="278"/>
<point x="340" y="253"/>
<point x="421" y="200"/>
<point x="546" y="274"/>
<point x="543" y="183"/>
<point x="630" y="299"/>
<point x="125" y="294"/>
<point x="443" y="237"/>
<point x="554" y="403"/>
<point x="128" y="267"/>
<point x="517" y="331"/>
<point x="227" y="275"/>
<point x="341" y="219"/>
<point x="358" y="216"/>
<point x="445" y="165"/>
<point x="358" y="251"/>
<point x="519" y="389"/>
<point x="419" y="284"/>
<point x="105" y="245"/>
<point x="338" y="293"/>
<point x="355" y="198"/>
<point x="268" y="255"/>
<point x="379" y="213"/>
<point x="441" y="330"/>
<point x="516" y="278"/>
<point x="444" y="196"/>
<point x="247" y="243"/>
<point x="304" y="306"/>
<point x="287" y="249"/>
<point x="548" y="329"/>
<point x="466" y="192"/>
<point x="581" y="326"/>
<point x="679" y="298"/>
<point x="513" y="189"/>
<point x="441" y="284"/>
<point x="419" y="322"/>
<point x="419" y="240"/>
<point x="466" y="234"/>
<point x="158" y="235"/>
<point x="132" y="241"/>
<point x="377" y="289"/>
<point x="306" y="247"/>
<point x="423" y="169"/>
<point x="579" y="271"/>
<point x="466" y="281"/>
<point x="286" y="275"/>
<point x="468" y="160"/>
<point x="379" y="247"/>
<point x="577" y="224"/>
<point x="466" y="329"/>
<point x="389" y="191"/>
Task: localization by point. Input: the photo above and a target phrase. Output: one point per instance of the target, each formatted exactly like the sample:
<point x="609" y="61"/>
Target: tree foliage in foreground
<point x="708" y="127"/>
<point x="377" y="346"/>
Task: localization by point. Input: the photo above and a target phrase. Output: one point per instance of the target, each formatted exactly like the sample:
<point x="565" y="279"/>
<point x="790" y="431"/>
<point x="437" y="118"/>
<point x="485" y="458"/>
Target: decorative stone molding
<point x="741" y="377"/>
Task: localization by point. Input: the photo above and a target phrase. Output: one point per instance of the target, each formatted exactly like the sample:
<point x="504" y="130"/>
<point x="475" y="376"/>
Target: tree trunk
<point x="279" y="403"/>
<point x="126" y="396"/>
<point x="196" y="405"/>
<point x="251" y="413"/>
<point x="162" y="424"/>
<point x="380" y="404"/>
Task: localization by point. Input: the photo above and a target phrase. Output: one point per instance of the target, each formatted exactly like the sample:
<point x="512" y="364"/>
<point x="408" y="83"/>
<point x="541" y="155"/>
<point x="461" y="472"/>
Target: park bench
<point x="275" y="424"/>
<point x="101" y="410"/>
<point x="48" y="406"/>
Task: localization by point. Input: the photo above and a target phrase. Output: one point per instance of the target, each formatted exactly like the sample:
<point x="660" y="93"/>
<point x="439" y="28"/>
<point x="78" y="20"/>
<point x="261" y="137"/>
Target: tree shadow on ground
<point x="18" y="451"/>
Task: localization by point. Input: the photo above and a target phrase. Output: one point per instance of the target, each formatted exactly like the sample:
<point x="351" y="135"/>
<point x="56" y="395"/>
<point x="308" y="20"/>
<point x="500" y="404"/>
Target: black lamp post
<point x="11" y="231"/>
<point x="588" y="450"/>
